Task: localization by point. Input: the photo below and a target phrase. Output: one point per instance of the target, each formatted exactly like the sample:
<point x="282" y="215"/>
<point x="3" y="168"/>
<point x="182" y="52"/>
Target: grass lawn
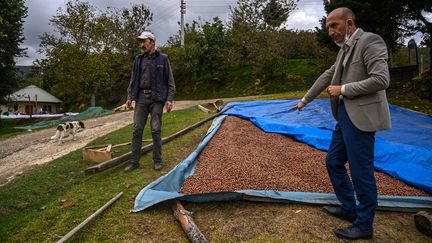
<point x="47" y="202"/>
<point x="297" y="74"/>
<point x="50" y="200"/>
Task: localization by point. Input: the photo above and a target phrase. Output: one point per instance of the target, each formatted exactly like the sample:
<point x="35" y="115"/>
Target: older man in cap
<point x="152" y="87"/>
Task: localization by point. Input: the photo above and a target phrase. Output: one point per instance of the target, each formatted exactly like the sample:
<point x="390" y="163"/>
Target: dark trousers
<point x="143" y="107"/>
<point x="357" y="147"/>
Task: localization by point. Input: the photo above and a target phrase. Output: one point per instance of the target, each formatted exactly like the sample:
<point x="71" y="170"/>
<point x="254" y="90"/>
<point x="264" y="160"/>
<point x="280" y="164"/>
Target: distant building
<point x="33" y="100"/>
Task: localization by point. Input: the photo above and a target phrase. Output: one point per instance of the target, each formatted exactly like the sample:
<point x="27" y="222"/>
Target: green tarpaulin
<point x="90" y="112"/>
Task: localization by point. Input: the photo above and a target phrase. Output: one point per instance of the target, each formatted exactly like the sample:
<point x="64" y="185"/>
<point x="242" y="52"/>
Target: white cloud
<point x="304" y="20"/>
<point x="32" y="55"/>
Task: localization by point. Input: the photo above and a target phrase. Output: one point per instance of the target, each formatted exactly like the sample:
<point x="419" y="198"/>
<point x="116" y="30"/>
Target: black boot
<point x="353" y="233"/>
<point x="131" y="167"/>
<point x="158" y="165"/>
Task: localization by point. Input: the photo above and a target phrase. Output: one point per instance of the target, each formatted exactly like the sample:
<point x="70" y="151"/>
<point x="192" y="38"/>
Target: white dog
<point x="70" y="128"/>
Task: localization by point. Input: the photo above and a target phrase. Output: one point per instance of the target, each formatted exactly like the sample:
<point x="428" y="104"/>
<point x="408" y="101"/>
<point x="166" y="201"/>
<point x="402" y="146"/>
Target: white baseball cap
<point x="147" y="35"/>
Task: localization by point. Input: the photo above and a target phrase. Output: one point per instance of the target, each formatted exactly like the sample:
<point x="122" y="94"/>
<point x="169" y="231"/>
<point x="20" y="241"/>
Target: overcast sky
<point x="166" y="15"/>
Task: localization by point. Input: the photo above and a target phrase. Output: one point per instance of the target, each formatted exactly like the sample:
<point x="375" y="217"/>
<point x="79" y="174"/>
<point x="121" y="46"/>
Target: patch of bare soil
<point x="241" y="156"/>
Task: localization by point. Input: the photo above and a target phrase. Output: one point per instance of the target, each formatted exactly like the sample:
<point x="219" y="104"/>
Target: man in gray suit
<point x="356" y="84"/>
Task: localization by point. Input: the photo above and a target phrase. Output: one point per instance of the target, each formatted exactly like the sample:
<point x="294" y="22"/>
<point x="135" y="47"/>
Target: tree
<point x="214" y="47"/>
<point x="261" y="15"/>
<point x="203" y="55"/>
<point x="418" y="9"/>
<point x="387" y="18"/>
<point x="275" y="13"/>
<point x="393" y="20"/>
<point x="254" y="27"/>
<point x="92" y="52"/>
<point x="12" y="14"/>
<point x="1" y="24"/>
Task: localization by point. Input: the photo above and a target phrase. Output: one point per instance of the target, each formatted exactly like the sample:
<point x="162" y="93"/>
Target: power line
<point x="163" y="16"/>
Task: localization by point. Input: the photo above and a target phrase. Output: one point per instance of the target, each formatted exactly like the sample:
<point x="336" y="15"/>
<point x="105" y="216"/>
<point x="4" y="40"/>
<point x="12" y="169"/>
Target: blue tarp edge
<point x="156" y="191"/>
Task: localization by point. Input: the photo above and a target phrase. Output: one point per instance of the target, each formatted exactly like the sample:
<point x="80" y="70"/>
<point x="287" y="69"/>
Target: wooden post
<point x="122" y="158"/>
<point x="30" y="107"/>
<point x="187" y="223"/>
<point x="89" y="219"/>
<point x="423" y="222"/>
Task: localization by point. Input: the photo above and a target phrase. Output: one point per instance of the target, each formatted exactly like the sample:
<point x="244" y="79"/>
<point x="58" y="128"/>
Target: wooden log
<point x="89" y="219"/>
<point x="102" y="146"/>
<point x="122" y="158"/>
<point x="423" y="222"/>
<point x="202" y="108"/>
<point x="187" y="223"/>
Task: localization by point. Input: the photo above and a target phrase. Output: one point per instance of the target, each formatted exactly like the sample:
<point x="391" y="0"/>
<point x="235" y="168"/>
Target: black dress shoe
<point x="339" y="213"/>
<point x="353" y="233"/>
<point x="131" y="167"/>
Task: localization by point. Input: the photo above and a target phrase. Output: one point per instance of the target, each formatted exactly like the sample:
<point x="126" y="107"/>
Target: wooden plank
<point x="202" y="108"/>
<point x="122" y="158"/>
<point x="89" y="219"/>
<point x="115" y="145"/>
<point x="187" y="223"/>
<point x="96" y="155"/>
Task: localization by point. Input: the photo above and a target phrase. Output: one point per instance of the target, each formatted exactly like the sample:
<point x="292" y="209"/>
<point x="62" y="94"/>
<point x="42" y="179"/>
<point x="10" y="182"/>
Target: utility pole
<point x="182" y="13"/>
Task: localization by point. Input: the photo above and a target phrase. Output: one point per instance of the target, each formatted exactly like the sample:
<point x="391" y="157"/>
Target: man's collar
<point x="350" y="41"/>
<point x="153" y="55"/>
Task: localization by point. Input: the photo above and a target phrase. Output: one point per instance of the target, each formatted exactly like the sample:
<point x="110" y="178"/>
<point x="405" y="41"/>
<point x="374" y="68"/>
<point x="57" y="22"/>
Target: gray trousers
<point x="143" y="107"/>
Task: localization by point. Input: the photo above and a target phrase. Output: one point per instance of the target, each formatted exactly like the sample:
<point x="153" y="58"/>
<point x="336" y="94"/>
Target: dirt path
<point x="18" y="154"/>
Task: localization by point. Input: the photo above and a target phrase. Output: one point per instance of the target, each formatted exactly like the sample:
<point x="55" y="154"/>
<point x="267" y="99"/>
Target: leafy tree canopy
<point x="387" y="18"/>
<point x="261" y="15"/>
<point x="91" y="52"/>
<point x="12" y="14"/>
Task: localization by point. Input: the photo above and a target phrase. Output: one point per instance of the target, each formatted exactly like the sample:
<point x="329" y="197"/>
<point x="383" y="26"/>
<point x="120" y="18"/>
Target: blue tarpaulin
<point x="404" y="152"/>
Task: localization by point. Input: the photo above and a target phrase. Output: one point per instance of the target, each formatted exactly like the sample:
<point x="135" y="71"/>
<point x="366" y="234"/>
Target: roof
<point x="36" y="94"/>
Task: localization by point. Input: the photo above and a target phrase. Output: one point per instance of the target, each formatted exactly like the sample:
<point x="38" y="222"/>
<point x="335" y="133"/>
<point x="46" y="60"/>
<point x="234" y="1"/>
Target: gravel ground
<point x="241" y="156"/>
<point x="18" y="154"/>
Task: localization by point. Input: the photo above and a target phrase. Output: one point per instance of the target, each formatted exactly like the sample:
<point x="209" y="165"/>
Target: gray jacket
<point x="162" y="83"/>
<point x="365" y="76"/>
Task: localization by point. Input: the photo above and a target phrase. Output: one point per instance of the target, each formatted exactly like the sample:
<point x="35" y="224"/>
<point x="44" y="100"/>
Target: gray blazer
<point x="365" y="76"/>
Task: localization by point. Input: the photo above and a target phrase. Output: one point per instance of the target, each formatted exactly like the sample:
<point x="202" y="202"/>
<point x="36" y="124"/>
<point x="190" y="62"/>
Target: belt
<point x="146" y="91"/>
